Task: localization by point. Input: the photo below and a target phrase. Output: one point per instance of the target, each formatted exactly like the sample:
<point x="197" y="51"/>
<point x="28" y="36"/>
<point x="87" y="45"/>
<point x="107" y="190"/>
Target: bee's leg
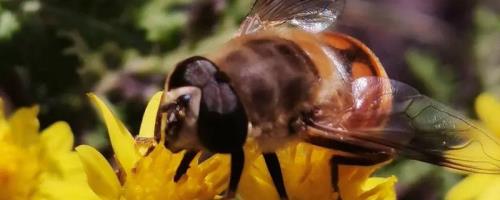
<point x="205" y="155"/>
<point x="359" y="160"/>
<point x="237" y="163"/>
<point x="157" y="131"/>
<point x="274" y="168"/>
<point x="183" y="167"/>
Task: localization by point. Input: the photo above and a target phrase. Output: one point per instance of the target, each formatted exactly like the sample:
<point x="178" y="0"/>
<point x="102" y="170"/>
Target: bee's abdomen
<point x="359" y="61"/>
<point x="273" y="76"/>
<point x="358" y="58"/>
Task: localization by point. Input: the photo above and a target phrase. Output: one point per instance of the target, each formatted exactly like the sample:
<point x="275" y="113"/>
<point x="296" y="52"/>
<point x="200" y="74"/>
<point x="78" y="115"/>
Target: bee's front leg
<point x="184" y="165"/>
<point x="274" y="168"/>
<point x="237" y="163"/>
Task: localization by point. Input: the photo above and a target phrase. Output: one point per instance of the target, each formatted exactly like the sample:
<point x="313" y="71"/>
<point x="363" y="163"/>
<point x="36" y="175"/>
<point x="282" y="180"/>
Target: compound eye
<point x="175" y="119"/>
<point x="183" y="101"/>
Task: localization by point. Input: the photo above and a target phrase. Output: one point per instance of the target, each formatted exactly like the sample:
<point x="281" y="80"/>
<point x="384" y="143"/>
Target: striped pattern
<point x="358" y="61"/>
<point x="361" y="59"/>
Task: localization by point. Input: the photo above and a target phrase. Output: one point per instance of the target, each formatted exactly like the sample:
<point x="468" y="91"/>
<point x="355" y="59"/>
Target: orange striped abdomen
<point x="360" y="60"/>
<point x="354" y="60"/>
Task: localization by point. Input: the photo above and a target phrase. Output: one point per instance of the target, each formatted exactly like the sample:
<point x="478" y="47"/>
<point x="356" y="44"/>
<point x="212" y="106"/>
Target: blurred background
<point x="52" y="52"/>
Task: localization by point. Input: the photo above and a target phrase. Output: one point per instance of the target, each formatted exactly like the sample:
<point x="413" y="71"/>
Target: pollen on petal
<point x="146" y="138"/>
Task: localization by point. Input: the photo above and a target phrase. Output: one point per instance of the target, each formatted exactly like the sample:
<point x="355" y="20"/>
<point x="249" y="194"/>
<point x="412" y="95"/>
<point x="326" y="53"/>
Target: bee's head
<point x="200" y="110"/>
<point x="178" y="115"/>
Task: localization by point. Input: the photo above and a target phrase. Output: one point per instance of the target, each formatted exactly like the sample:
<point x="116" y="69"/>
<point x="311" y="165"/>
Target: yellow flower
<point x="150" y="176"/>
<point x="481" y="186"/>
<point x="306" y="171"/>
<point x="38" y="166"/>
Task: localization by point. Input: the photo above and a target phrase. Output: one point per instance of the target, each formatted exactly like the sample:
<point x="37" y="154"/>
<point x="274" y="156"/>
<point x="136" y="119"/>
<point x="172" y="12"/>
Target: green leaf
<point x="160" y="20"/>
<point x="9" y="24"/>
<point x="436" y="79"/>
<point x="486" y="47"/>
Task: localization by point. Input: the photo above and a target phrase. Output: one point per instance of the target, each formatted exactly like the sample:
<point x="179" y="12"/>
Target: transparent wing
<point x="310" y="15"/>
<point x="421" y="128"/>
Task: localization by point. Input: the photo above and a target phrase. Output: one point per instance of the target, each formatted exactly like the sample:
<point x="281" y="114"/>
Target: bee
<point x="283" y="78"/>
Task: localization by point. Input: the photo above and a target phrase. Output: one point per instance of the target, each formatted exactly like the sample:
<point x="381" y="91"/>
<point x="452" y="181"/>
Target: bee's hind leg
<point x="359" y="160"/>
<point x="274" y="168"/>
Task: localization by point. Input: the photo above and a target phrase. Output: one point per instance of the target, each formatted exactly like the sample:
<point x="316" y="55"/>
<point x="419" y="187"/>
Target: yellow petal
<point x="121" y="140"/>
<point x="149" y="117"/>
<point x="57" y="139"/>
<point x="488" y="110"/>
<point x="67" y="166"/>
<point x="491" y="192"/>
<point x="56" y="189"/>
<point x="473" y="187"/>
<point x="379" y="188"/>
<point x="100" y="175"/>
<point x="25" y="123"/>
<point x="145" y="140"/>
<point x="65" y="179"/>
